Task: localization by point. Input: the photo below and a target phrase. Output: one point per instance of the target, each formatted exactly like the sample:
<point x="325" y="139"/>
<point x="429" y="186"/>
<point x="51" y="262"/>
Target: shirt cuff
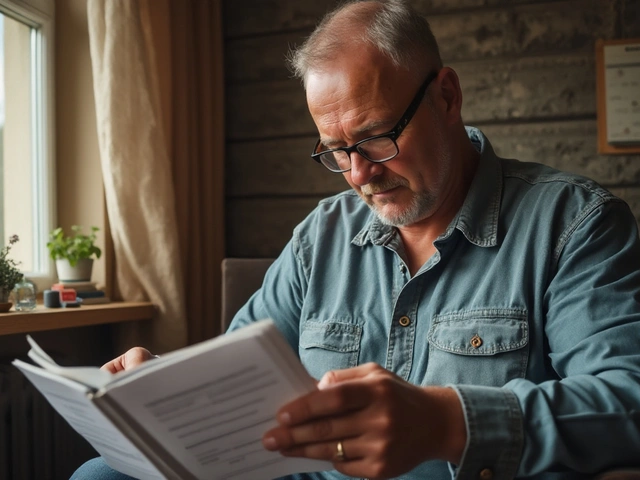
<point x="495" y="435"/>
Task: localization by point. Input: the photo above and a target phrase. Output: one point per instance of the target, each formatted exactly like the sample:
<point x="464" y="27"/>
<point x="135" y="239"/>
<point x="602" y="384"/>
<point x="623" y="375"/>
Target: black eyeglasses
<point x="377" y="149"/>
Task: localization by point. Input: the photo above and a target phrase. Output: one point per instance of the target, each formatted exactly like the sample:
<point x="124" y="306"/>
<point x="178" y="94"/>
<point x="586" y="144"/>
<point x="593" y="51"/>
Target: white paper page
<point x="70" y="400"/>
<point x="90" y="376"/>
<point x="211" y="412"/>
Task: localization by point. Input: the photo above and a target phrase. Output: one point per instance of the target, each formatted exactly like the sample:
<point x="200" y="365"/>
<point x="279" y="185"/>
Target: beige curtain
<point x="198" y="156"/>
<point x="136" y="169"/>
<point x="158" y="85"/>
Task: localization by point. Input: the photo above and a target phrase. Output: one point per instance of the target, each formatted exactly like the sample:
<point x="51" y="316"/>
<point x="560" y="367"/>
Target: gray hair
<point x="393" y="27"/>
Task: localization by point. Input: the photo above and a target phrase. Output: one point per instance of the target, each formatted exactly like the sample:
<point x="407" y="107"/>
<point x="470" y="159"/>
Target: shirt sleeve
<point x="588" y="418"/>
<point x="281" y="296"/>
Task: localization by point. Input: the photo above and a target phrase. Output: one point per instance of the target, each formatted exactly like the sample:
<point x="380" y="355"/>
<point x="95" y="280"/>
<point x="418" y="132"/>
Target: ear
<point x="451" y="94"/>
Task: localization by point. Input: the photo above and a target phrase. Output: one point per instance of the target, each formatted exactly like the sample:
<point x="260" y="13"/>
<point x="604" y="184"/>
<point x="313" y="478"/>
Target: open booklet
<point x="195" y="413"/>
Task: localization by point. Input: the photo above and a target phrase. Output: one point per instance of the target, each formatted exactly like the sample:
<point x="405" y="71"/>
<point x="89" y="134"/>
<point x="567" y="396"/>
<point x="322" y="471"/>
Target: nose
<point x="362" y="170"/>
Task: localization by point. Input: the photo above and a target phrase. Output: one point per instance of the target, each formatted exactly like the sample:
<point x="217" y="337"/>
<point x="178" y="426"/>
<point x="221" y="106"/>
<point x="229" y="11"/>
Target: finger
<point x="324" y="429"/>
<point x="114" y="365"/>
<point x="135" y="357"/>
<point x="328" y="451"/>
<point x="131" y="359"/>
<point x="336" y="376"/>
<point x="344" y="398"/>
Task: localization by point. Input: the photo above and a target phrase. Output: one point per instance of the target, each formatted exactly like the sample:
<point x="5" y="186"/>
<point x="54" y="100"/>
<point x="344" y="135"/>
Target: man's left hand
<point x="385" y="426"/>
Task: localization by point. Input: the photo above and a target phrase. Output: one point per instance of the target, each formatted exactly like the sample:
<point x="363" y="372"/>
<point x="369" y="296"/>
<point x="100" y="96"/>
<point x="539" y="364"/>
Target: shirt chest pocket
<point x="481" y="347"/>
<point x="328" y="346"/>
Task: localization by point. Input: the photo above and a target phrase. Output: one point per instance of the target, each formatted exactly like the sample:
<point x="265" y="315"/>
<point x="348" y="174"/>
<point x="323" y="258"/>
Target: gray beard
<point x="419" y="209"/>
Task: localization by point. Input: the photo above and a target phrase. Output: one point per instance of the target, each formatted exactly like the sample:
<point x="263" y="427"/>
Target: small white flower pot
<point x="81" y="272"/>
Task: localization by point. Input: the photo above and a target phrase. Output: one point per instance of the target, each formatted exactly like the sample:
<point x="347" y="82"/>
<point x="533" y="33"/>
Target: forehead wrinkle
<point x="365" y="129"/>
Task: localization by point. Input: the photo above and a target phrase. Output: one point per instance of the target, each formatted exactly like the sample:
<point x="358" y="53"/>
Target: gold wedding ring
<point x="339" y="456"/>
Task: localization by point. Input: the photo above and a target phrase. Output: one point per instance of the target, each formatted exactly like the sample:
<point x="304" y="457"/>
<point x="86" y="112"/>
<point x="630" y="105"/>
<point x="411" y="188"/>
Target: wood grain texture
<point x="278" y="167"/>
<point x="263" y="110"/>
<point x="629" y="18"/>
<point x="283" y="167"/>
<point x="568" y="146"/>
<point x="261" y="227"/>
<point x="56" y="318"/>
<point x="530" y="88"/>
<point x="527" y="89"/>
<point x="631" y="195"/>
<point x="517" y="31"/>
<point x="268" y="16"/>
<point x="260" y="59"/>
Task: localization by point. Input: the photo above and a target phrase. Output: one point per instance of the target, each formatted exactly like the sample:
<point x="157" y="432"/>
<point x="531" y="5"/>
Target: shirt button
<point x="486" y="474"/>
<point x="476" y="342"/>
<point x="404" y="321"/>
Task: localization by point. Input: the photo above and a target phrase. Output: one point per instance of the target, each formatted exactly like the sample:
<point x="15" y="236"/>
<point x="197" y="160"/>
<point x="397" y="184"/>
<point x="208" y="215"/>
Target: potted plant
<point x="9" y="274"/>
<point x="73" y="254"/>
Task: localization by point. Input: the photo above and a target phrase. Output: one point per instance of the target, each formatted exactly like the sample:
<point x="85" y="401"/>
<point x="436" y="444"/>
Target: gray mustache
<point x="378" y="187"/>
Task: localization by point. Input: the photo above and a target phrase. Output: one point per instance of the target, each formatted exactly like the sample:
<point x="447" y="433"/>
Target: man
<point x="466" y="315"/>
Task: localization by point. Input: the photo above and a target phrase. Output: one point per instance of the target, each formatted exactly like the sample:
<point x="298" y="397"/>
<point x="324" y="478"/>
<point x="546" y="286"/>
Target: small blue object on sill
<point x="51" y="299"/>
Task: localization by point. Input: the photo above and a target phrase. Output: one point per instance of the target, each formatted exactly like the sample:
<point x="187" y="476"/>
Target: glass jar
<point x="24" y="295"/>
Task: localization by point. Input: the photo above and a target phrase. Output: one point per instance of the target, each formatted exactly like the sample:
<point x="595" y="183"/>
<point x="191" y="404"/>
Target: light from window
<point x="26" y="179"/>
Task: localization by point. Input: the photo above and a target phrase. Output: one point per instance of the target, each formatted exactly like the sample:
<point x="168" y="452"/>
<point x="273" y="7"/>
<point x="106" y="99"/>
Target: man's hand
<point x="385" y="425"/>
<point x="132" y="358"/>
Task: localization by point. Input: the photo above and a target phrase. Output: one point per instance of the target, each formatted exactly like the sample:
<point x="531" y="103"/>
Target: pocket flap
<point x="480" y="332"/>
<point x="334" y="336"/>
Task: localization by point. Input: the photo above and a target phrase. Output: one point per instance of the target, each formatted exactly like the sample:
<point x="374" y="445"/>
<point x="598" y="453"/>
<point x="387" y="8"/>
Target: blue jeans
<point x="97" y="469"/>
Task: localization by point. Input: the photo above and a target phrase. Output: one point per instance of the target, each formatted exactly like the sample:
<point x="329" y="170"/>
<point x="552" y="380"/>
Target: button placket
<point x="402" y="329"/>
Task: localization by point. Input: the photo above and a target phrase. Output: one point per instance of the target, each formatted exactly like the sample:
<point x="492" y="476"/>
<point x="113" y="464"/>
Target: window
<point x="26" y="134"/>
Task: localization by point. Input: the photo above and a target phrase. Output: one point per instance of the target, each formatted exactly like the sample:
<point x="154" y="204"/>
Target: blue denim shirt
<point x="529" y="308"/>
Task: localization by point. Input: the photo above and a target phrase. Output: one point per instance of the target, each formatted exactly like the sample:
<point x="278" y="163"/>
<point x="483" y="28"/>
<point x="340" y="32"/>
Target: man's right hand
<point x="131" y="359"/>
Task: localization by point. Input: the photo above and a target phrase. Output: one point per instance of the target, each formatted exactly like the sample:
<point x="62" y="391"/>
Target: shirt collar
<point x="477" y="219"/>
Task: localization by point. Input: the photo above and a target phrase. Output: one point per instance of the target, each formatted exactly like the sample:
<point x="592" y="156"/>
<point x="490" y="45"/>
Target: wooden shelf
<point x="55" y="318"/>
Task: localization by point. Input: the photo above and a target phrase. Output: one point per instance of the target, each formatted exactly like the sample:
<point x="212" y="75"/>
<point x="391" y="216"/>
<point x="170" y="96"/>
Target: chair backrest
<point x="241" y="277"/>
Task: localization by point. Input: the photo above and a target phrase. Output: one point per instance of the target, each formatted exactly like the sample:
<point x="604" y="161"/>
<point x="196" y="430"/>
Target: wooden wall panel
<point x="261" y="17"/>
<point x="516" y="32"/>
<point x="632" y="197"/>
<point x="529" y="88"/>
<point x="630" y="18"/>
<point x="278" y="167"/>
<point x="256" y="59"/>
<point x="524" y="29"/>
<point x="568" y="146"/>
<point x="261" y="227"/>
<point x="284" y="167"/>
<point x="265" y="110"/>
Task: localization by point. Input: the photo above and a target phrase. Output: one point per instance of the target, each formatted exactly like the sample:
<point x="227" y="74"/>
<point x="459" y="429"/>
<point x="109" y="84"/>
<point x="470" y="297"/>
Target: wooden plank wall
<point x="528" y="74"/>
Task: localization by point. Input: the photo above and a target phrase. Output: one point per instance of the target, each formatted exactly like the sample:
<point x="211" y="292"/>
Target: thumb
<point x="334" y="377"/>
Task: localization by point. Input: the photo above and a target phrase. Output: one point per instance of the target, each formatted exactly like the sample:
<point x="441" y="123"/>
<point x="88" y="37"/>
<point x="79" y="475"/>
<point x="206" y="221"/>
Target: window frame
<point x="39" y="15"/>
